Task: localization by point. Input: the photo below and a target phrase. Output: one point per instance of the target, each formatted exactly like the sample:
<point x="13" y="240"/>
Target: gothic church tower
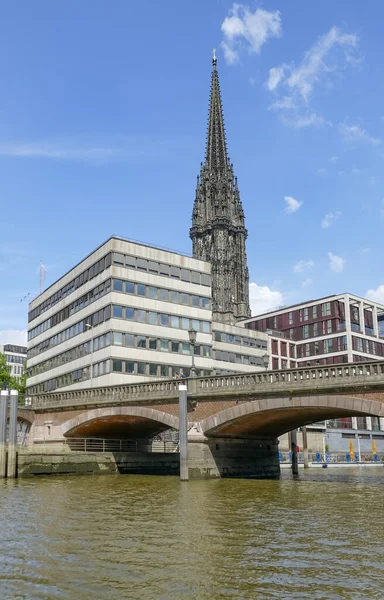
<point x="218" y="233"/>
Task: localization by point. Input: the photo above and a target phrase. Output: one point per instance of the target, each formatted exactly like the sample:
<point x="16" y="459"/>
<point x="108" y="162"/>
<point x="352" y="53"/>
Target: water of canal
<point x="152" y="538"/>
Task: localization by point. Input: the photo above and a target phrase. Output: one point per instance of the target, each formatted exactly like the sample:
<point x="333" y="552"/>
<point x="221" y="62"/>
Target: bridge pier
<point x="214" y="457"/>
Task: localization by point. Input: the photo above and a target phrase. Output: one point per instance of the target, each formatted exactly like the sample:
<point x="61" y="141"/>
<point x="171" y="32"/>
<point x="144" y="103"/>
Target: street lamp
<point x="89" y="326"/>
<point x="192" y="340"/>
<point x="266" y="361"/>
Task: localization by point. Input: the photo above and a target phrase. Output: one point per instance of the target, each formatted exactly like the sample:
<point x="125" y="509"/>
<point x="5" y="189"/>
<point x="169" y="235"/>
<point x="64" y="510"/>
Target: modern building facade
<point x="337" y="329"/>
<point x="342" y="328"/>
<point x="16" y="357"/>
<point x="124" y="314"/>
<point x="218" y="231"/>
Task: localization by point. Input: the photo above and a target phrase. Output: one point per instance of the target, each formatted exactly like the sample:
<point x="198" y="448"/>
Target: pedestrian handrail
<point x="100" y="445"/>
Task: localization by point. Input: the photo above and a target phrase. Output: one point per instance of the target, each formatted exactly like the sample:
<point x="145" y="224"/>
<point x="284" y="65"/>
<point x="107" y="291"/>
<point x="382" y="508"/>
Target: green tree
<point x="6" y="379"/>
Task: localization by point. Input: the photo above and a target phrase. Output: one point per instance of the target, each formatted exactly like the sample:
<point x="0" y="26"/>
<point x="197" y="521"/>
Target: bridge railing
<point x="260" y="382"/>
<point x="99" y="445"/>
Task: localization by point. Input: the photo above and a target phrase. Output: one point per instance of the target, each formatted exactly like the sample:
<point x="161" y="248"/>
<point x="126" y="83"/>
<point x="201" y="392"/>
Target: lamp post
<point x="89" y="326"/>
<point x="192" y="341"/>
<point x="266" y="361"/>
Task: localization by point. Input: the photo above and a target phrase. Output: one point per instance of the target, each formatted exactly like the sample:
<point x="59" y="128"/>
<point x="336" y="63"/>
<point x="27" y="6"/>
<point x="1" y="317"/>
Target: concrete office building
<point x="16" y="357"/>
<point x="123" y="314"/>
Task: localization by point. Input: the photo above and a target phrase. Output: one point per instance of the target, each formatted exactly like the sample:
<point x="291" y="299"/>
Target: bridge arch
<point x="276" y="416"/>
<point x="124" y="422"/>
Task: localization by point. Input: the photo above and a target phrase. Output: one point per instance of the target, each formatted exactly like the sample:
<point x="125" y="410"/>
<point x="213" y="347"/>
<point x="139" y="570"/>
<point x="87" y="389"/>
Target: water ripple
<point x="152" y="538"/>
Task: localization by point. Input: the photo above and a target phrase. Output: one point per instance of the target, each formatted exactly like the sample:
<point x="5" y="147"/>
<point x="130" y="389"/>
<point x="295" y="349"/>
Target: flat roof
<point x="312" y="301"/>
<point x="123" y="239"/>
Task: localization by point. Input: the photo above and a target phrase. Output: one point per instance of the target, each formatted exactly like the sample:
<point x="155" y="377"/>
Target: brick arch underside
<point x="274" y="417"/>
<point x="119" y="423"/>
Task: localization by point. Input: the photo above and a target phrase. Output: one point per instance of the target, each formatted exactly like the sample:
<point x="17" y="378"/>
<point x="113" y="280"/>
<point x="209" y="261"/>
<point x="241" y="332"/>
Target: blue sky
<point x="103" y="110"/>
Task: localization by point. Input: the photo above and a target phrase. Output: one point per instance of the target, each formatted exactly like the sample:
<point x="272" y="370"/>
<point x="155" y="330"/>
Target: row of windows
<point x="18" y="369"/>
<point x="118" y="366"/>
<point x="154" y="318"/>
<point x="95" y="319"/>
<point x="153" y="343"/>
<point x="98" y="292"/>
<point x="150" y="266"/>
<point x="16" y="349"/>
<point x="11" y="358"/>
<point x="155" y="293"/>
<point x="338" y="344"/>
<point x="72" y="354"/>
<point x="70" y="287"/>
<point x="367" y="346"/>
<point x="228" y="338"/>
<point x="241" y="359"/>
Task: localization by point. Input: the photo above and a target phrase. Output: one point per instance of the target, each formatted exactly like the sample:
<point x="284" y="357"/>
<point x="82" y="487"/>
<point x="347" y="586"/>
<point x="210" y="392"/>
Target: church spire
<point x="216" y="155"/>
<point x="218" y="233"/>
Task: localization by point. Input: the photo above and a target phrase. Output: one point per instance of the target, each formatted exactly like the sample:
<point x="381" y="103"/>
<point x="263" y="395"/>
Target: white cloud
<point x="377" y="295"/>
<point x="276" y="74"/>
<point x="306" y="282"/>
<point x="330" y="218"/>
<point x="119" y="150"/>
<point x="262" y="299"/>
<point x="294" y="85"/>
<point x="333" y="159"/>
<point x="18" y="337"/>
<point x="336" y="263"/>
<point x="355" y="133"/>
<point x="302" y="265"/>
<point x="244" y="29"/>
<point x="293" y="205"/>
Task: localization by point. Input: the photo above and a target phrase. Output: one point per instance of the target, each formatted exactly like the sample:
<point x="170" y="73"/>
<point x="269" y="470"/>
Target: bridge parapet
<point x="311" y="380"/>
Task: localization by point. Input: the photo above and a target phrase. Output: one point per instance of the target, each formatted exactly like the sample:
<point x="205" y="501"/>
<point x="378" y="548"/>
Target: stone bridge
<point x="234" y="420"/>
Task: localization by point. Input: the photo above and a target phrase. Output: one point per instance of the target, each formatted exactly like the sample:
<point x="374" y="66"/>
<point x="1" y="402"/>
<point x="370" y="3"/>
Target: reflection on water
<point x="129" y="537"/>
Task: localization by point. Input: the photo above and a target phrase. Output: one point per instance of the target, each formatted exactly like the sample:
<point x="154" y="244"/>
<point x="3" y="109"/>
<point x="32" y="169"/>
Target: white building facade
<point x="123" y="314"/>
<point x="16" y="357"/>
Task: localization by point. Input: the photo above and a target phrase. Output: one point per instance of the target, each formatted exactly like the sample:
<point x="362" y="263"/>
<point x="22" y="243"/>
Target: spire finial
<point x="214" y="59"/>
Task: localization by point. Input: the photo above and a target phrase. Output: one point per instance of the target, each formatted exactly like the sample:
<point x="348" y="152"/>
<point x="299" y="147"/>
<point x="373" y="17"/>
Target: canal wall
<point x="92" y="463"/>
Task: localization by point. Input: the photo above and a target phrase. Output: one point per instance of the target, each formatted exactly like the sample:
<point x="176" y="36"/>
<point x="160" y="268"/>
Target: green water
<point x="129" y="537"/>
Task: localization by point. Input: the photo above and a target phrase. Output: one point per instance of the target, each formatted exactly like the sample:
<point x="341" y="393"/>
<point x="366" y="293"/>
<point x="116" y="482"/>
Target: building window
<point x="164" y="345"/>
<point x="326" y="309"/>
<point x="141" y="368"/>
<point x="129" y="313"/>
<point x="305" y="331"/>
<point x="314" y="312"/>
<point x="329" y="326"/>
<point x="305" y="314"/>
<point x="118" y="312"/>
<point x="291" y="334"/>
<point x="290" y="318"/>
<point x="307" y="349"/>
<point x="129" y="340"/>
<point x="141" y="341"/>
<point x="117" y="365"/>
<point x="315" y="329"/>
<point x="152" y="343"/>
<point x="359" y="344"/>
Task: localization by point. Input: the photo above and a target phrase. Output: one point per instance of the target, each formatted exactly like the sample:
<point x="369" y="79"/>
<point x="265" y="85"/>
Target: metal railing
<point x="307" y="379"/>
<point x="99" y="445"/>
<point x="333" y="457"/>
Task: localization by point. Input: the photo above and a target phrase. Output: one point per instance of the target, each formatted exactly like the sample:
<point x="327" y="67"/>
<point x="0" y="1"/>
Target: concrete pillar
<point x="348" y="332"/>
<point x="361" y="317"/>
<point x="12" y="435"/>
<point x="183" y="432"/>
<point x="3" y="432"/>
<point x="295" y="462"/>
<point x="305" y="447"/>
<point x="375" y="321"/>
